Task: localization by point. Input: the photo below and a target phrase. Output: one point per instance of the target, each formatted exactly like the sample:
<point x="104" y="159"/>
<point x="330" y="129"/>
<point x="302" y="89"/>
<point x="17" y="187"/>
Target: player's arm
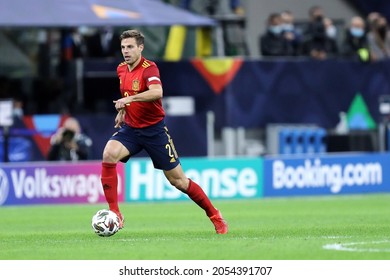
<point x="154" y="92"/>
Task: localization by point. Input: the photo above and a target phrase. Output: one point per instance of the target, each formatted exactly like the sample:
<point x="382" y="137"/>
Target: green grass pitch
<point x="353" y="227"/>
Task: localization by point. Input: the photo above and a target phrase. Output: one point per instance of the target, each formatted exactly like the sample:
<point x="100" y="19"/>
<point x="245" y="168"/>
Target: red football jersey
<point x="140" y="114"/>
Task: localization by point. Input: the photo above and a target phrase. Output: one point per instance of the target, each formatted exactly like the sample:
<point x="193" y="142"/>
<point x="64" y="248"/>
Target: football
<point x="105" y="223"/>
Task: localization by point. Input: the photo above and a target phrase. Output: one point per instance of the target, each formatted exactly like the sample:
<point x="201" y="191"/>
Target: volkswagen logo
<point x="4" y="186"/>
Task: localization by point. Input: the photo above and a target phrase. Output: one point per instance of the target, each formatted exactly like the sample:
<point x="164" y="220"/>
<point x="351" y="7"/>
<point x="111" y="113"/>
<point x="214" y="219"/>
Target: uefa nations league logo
<point x="4" y="186"/>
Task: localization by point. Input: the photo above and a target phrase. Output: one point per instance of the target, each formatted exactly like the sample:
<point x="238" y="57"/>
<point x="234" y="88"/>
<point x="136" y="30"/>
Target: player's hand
<point x="119" y="119"/>
<point x="121" y="103"/>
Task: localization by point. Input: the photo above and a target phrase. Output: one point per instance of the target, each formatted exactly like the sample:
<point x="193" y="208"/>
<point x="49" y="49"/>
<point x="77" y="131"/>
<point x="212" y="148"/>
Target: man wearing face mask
<point x="318" y="42"/>
<point x="272" y="42"/>
<point x="379" y="40"/>
<point x="290" y="32"/>
<point x="331" y="36"/>
<point x="355" y="43"/>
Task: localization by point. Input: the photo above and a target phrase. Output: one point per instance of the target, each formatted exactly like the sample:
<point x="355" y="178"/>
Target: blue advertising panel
<point x="219" y="178"/>
<point x="327" y="174"/>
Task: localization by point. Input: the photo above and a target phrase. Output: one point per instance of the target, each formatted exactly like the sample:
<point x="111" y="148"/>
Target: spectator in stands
<point x="371" y="17"/>
<point x="273" y="42"/>
<point x="317" y="42"/>
<point x="331" y="35"/>
<point x="5" y="88"/>
<point x="316" y="16"/>
<point x="330" y="28"/>
<point x="237" y="8"/>
<point x="290" y="32"/>
<point x="69" y="143"/>
<point x="73" y="44"/>
<point x="355" y="43"/>
<point x="379" y="39"/>
<point x="11" y="89"/>
<point x="103" y="43"/>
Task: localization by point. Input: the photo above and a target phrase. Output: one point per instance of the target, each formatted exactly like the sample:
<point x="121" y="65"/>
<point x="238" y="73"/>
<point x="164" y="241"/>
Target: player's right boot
<point x="221" y="226"/>
<point x="121" y="221"/>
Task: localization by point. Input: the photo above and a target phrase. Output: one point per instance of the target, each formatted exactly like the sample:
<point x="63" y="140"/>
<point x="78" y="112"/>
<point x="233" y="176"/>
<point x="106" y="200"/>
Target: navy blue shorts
<point x="155" y="140"/>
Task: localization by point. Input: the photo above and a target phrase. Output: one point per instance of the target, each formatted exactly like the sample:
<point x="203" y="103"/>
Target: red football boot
<point x="221" y="226"/>
<point x="121" y="218"/>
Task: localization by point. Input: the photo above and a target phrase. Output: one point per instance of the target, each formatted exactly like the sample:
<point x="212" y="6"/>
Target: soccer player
<point x="140" y="119"/>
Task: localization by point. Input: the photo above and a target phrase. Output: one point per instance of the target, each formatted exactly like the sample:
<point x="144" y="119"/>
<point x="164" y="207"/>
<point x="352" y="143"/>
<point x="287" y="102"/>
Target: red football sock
<point x="196" y="193"/>
<point x="110" y="185"/>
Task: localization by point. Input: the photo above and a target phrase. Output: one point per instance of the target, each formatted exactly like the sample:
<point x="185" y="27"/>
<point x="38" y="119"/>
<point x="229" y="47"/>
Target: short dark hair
<point x="133" y="33"/>
<point x="272" y="17"/>
<point x="314" y="9"/>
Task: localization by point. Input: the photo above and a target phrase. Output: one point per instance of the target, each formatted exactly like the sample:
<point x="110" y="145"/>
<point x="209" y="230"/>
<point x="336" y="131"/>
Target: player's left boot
<point x="221" y="226"/>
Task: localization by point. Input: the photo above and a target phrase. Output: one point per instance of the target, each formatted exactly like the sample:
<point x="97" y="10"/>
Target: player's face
<point x="131" y="51"/>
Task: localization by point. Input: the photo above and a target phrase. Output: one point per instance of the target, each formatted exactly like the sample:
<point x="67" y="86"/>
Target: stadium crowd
<point x="317" y="37"/>
<point x="365" y="39"/>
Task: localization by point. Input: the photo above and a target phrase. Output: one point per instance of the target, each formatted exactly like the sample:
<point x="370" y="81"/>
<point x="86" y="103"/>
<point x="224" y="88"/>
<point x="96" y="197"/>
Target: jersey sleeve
<point x="152" y="75"/>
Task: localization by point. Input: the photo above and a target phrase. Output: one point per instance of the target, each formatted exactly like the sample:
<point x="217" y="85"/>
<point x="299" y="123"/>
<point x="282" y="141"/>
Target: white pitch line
<point x="352" y="246"/>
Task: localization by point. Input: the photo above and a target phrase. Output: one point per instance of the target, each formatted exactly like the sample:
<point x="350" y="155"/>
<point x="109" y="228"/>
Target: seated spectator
<point x="355" y="43"/>
<point x="69" y="143"/>
<point x="272" y="42"/>
<point x="379" y="39"/>
<point x="317" y="42"/>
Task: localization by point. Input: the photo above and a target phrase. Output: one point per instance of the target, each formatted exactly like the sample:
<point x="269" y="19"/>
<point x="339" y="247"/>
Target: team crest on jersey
<point x="135" y="86"/>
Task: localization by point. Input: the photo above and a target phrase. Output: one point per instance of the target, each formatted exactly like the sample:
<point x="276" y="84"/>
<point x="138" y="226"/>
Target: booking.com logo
<point x="4" y="186"/>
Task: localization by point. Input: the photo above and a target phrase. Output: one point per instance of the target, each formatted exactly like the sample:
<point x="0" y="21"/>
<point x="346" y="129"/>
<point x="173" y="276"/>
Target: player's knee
<point x="109" y="155"/>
